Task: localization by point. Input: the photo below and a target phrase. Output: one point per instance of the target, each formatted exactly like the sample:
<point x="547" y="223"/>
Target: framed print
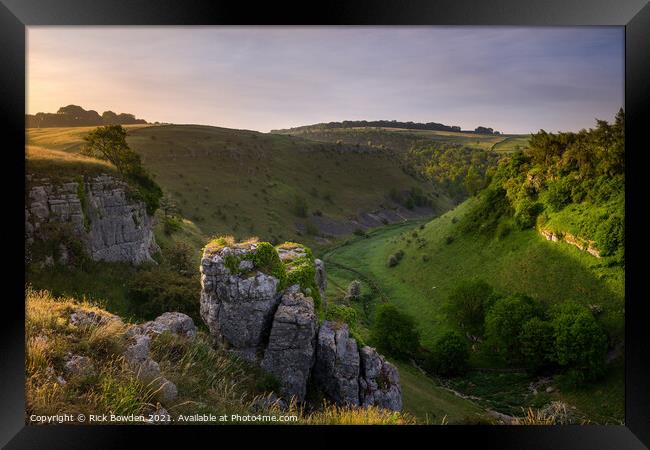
<point x="371" y="219"/>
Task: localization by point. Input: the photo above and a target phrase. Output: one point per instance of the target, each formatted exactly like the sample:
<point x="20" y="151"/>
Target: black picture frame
<point x="634" y="15"/>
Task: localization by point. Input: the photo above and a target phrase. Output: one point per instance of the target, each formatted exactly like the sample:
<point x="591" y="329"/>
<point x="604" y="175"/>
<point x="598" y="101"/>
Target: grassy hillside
<point x="247" y="183"/>
<point x="432" y="266"/>
<point x="398" y="139"/>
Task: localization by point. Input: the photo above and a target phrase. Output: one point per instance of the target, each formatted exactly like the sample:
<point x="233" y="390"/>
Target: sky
<point x="516" y="80"/>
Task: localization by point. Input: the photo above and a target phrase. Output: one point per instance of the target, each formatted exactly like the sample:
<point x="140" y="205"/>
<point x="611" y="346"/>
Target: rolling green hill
<point x="247" y="183"/>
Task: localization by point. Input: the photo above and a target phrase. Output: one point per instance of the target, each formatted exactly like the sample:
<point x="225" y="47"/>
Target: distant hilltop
<point x="76" y="116"/>
<point x="431" y="126"/>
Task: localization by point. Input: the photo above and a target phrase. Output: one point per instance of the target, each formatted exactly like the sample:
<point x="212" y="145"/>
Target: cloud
<point x="512" y="79"/>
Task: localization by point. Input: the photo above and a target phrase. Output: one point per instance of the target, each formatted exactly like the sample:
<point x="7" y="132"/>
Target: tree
<point x="504" y="323"/>
<point x="449" y="354"/>
<point x="468" y="303"/>
<point x="580" y="342"/>
<point x="109" y="143"/>
<point x="537" y="343"/>
<point x="394" y="332"/>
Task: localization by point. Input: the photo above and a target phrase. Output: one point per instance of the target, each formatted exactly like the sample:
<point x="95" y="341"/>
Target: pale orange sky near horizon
<point x="516" y="80"/>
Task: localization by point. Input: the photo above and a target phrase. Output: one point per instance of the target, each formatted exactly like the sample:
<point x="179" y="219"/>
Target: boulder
<point x="378" y="381"/>
<point x="77" y="365"/>
<point x="238" y="310"/>
<point x="321" y="279"/>
<point x="173" y="322"/>
<point x="289" y="354"/>
<point x="81" y="317"/>
<point x="336" y="370"/>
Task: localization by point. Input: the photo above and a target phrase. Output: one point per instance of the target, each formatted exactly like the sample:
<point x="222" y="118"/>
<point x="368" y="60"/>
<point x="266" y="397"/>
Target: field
<point x="511" y="144"/>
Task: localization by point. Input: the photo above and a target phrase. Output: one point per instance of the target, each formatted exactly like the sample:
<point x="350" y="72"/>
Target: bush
<point x="504" y="322"/>
<point x="171" y="225"/>
<point x="526" y="212"/>
<point x="449" y="355"/>
<point x="468" y="303"/>
<point x="342" y="313"/>
<point x="157" y="290"/>
<point x="180" y="257"/>
<point x="580" y="343"/>
<point x="559" y="194"/>
<point x="394" y="332"/>
<point x="610" y="236"/>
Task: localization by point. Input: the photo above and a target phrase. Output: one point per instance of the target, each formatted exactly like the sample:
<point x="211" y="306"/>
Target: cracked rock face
<point x="279" y="331"/>
<point x="337" y="364"/>
<point x="378" y="381"/>
<point x="111" y="226"/>
<point x="237" y="310"/>
<point x="290" y="352"/>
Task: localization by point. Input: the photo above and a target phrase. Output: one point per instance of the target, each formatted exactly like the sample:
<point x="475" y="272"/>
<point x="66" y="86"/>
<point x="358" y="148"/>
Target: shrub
<point x="392" y="261"/>
<point x="342" y="313"/>
<point x="526" y="211"/>
<point x="171" y="224"/>
<point x="449" y="354"/>
<point x="157" y="290"/>
<point x="558" y="194"/>
<point x="394" y="332"/>
<point x="180" y="257"/>
<point x="504" y="322"/>
<point x="610" y="236"/>
<point x="468" y="304"/>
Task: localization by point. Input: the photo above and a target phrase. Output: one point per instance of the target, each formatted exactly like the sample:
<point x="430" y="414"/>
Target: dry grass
<point x="208" y="380"/>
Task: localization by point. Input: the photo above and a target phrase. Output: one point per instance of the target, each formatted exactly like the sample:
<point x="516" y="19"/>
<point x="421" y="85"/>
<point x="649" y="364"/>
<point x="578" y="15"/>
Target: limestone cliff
<point x="259" y="302"/>
<point x="98" y="212"/>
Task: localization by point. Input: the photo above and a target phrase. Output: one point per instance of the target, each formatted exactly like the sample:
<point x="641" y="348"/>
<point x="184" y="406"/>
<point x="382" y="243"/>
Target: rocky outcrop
<point x="581" y="243"/>
<point x="137" y="353"/>
<point x="98" y="212"/>
<point x="238" y="310"/>
<point x="378" y="381"/>
<point x="321" y="279"/>
<point x="290" y="352"/>
<point x="337" y="364"/>
<point x="250" y="313"/>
